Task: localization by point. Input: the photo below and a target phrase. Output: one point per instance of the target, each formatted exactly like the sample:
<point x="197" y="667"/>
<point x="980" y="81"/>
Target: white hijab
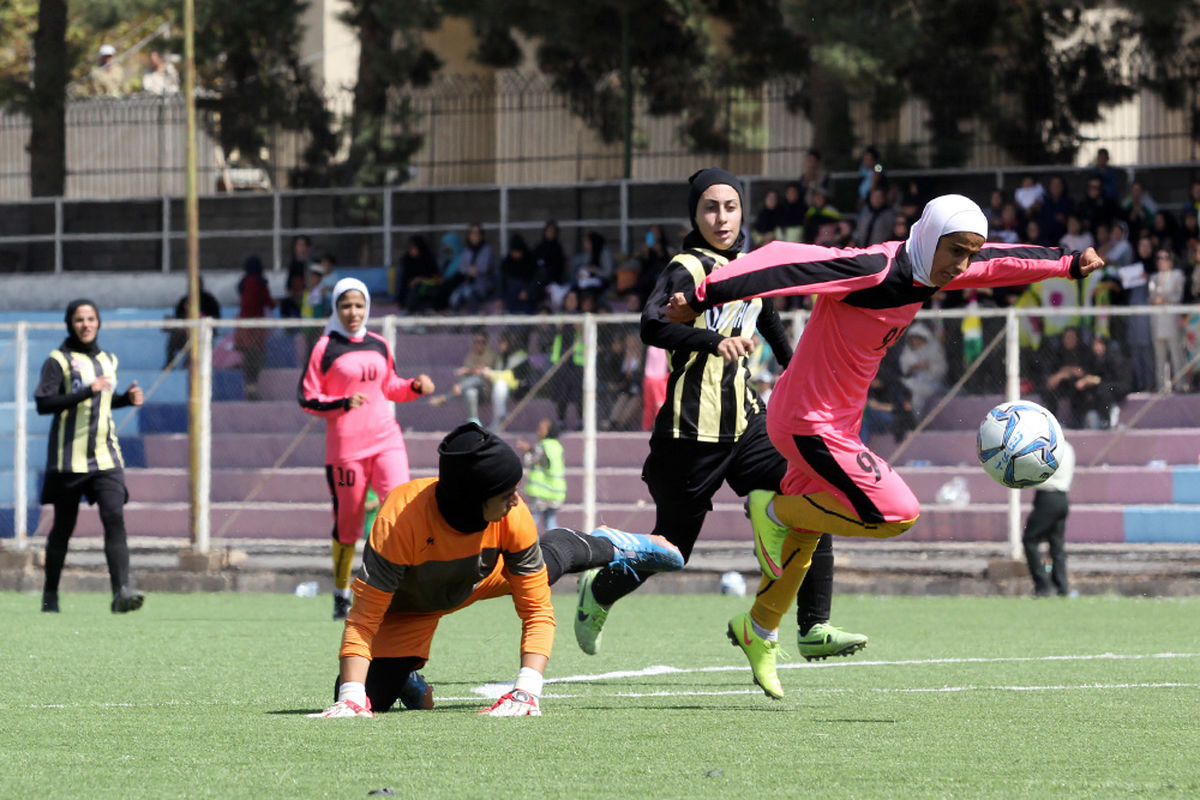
<point x="950" y="213"/>
<point x="335" y="322"/>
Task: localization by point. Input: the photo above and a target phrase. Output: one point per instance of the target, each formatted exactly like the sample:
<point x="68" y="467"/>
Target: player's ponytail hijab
<point x="950" y="213"/>
<point x="335" y="322"/>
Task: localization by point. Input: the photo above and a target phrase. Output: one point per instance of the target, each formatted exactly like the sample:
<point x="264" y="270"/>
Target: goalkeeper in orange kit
<point x="440" y="544"/>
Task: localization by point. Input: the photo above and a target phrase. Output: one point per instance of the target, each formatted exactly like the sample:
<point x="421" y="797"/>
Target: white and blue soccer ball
<point x="1018" y="444"/>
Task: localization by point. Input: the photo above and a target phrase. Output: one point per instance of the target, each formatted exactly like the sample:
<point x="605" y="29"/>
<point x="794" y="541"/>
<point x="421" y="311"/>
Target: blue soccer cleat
<point x="639" y="551"/>
<point x="416" y="694"/>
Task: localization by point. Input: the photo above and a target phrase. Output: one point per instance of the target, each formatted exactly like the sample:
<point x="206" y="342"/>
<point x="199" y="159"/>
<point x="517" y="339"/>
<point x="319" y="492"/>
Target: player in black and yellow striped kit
<point x="712" y="427"/>
<point x="84" y="458"/>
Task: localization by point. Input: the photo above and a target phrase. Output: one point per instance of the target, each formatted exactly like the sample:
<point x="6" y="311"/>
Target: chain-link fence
<point x="1125" y="400"/>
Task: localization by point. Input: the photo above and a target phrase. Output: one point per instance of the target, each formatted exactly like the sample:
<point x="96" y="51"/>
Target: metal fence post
<point x="58" y="235"/>
<point x="387" y="228"/>
<point x="503" y="220"/>
<point x="589" y="421"/>
<point x="624" y="215"/>
<point x="204" y="422"/>
<point x="276" y="230"/>
<point x="166" y="233"/>
<point x="20" y="436"/>
<point x="1012" y="391"/>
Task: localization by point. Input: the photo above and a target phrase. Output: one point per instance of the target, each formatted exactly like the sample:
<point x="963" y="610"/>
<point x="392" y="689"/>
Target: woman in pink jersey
<point x="350" y="378"/>
<point x="866" y="299"/>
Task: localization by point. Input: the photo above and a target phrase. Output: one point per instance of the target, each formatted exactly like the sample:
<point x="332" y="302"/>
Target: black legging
<point x="108" y="492"/>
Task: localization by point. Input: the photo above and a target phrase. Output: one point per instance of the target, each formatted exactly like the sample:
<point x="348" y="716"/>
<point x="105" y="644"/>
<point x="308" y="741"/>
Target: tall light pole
<point x="192" y="205"/>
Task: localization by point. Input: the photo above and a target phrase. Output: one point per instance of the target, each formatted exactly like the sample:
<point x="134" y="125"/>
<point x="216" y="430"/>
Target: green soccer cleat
<point x="759" y="652"/>
<point x="768" y="535"/>
<point x="823" y="640"/>
<point x="589" y="615"/>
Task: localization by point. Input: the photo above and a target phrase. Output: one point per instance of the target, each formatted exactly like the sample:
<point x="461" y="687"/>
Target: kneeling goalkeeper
<point x="440" y="544"/>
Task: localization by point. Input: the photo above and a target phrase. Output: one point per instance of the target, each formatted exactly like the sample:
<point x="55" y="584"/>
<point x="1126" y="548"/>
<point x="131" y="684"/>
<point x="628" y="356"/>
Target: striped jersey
<point x="82" y="435"/>
<point x="708" y="399"/>
<point x="415" y="562"/>
<point x="866" y="299"/>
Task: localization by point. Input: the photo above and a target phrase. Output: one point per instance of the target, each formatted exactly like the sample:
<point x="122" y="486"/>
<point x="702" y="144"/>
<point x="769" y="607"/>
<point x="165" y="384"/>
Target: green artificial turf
<point x="206" y="696"/>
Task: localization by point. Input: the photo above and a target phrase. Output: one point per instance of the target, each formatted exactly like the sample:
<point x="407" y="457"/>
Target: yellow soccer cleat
<point x="759" y="652"/>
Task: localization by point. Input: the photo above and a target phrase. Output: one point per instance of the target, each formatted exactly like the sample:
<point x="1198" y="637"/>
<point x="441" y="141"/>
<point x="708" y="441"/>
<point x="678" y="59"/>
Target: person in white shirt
<point x="1048" y="521"/>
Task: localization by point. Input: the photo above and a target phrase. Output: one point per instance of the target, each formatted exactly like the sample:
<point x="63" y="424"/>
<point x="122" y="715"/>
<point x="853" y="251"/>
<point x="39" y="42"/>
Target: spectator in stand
<point x="1064" y="363"/>
<point x="1194" y="196"/>
<point x="791" y="214"/>
<point x="654" y="384"/>
<point x="592" y="267"/>
<point x="1117" y="251"/>
<point x="255" y="301"/>
<point x="766" y="222"/>
<point x="1097" y="208"/>
<point x="1110" y="180"/>
<point x="474" y="277"/>
<point x="922" y="366"/>
<point x="1189" y="232"/>
<point x="654" y="259"/>
<point x="1165" y="230"/>
<point x="291" y="306"/>
<point x="545" y="474"/>
<point x="995" y="209"/>
<point x="551" y="263"/>
<point x="1105" y="385"/>
<point x="1139" y="209"/>
<point x="889" y="405"/>
<point x="912" y="200"/>
<point x="1055" y="206"/>
<point x="900" y="229"/>
<point x="814" y="176"/>
<point x="162" y="77"/>
<point x="520" y="289"/>
<point x="420" y="282"/>
<point x="625" y="385"/>
<point x="1166" y="289"/>
<point x="1029" y="194"/>
<point x="565" y="386"/>
<point x="1076" y="236"/>
<point x="1191" y="271"/>
<point x="874" y="219"/>
<point x="177" y="338"/>
<point x="450" y="247"/>
<point x="1033" y="234"/>
<point x="1008" y="228"/>
<point x="820" y="214"/>
<point x="511" y="374"/>
<point x="870" y="174"/>
<point x="301" y="257"/>
<point x="473" y="382"/>
<point x="1139" y="341"/>
<point x="108" y="77"/>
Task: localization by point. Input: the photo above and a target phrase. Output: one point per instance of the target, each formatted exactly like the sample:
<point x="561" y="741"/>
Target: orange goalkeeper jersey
<point x="414" y="562"/>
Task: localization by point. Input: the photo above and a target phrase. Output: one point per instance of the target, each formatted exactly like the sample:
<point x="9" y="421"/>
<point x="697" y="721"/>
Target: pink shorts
<point x="834" y="460"/>
<point x="348" y="481"/>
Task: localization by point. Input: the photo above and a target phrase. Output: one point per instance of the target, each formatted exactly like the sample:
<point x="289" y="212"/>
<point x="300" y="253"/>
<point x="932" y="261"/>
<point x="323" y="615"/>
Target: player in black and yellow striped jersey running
<point x="712" y="427"/>
<point x="83" y="457"/>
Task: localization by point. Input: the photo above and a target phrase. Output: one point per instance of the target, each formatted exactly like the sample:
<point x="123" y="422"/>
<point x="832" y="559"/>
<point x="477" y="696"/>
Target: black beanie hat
<point x="473" y="465"/>
<point x="705" y="178"/>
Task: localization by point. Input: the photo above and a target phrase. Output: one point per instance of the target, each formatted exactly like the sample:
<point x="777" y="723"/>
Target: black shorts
<point x="71" y="487"/>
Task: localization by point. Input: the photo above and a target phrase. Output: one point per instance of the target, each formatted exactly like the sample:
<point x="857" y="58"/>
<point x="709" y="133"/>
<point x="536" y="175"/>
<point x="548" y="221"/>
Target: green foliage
<point x="204" y="695"/>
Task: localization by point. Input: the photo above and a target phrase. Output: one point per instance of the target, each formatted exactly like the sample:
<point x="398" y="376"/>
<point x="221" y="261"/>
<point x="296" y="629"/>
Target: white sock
<point x="345" y="594"/>
<point x="769" y="635"/>
<point x="354" y="692"/>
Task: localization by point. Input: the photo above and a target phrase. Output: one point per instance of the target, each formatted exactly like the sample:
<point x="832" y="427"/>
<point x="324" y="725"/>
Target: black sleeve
<point x="770" y="325"/>
<point x="658" y="331"/>
<point x="121" y="400"/>
<point x="49" y="396"/>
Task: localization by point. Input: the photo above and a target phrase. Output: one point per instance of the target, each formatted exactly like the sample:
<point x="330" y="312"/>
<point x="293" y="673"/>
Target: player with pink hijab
<point x="866" y="299"/>
<point x="350" y="378"/>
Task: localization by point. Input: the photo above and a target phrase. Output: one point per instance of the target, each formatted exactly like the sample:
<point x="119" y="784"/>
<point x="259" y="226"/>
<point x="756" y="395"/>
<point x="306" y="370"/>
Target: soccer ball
<point x="1018" y="444"/>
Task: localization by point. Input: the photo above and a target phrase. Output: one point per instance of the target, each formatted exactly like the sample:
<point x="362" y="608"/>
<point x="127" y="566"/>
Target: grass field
<point x="205" y="696"/>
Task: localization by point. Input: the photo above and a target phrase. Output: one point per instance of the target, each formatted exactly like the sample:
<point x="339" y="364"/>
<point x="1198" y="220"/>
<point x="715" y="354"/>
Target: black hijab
<point x="474" y="464"/>
<point x="698" y="183"/>
<point x="72" y="342"/>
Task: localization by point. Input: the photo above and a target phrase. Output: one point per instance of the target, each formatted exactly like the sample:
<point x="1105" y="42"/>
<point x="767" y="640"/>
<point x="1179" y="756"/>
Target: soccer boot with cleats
<point x="760" y="652"/>
<point x="127" y="599"/>
<point x="635" y="552"/>
<point x="341" y="606"/>
<point x="768" y="534"/>
<point x="416" y="694"/>
<point x="823" y="640"/>
<point x="50" y="602"/>
<point x="589" y="615"/>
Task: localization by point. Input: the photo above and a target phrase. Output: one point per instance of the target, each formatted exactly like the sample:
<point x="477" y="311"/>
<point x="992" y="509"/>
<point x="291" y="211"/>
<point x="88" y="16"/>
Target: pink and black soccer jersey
<point x="339" y="368"/>
<point x="866" y="300"/>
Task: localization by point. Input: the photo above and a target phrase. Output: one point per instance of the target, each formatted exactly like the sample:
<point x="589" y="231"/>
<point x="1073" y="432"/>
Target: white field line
<point x="494" y="690"/>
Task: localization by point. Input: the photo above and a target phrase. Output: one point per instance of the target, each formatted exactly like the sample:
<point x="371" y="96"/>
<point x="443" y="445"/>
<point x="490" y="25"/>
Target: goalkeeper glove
<point x="517" y="703"/>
